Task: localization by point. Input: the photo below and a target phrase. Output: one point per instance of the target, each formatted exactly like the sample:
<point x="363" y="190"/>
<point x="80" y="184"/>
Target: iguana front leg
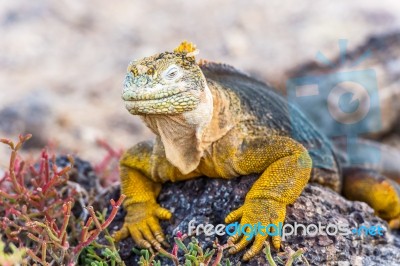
<point x="286" y="168"/>
<point x="142" y="171"/>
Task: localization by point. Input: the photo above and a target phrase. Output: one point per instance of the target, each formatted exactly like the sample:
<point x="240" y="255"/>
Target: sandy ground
<point x="62" y="62"/>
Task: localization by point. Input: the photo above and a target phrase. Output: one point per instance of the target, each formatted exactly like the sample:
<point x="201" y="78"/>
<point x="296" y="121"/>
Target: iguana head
<point x="166" y="83"/>
<point x="170" y="93"/>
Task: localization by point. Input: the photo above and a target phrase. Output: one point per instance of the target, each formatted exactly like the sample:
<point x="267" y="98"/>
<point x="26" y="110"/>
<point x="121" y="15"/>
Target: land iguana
<point x="213" y="120"/>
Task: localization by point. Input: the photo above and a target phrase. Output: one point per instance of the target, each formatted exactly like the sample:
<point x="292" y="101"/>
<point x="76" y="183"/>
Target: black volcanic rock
<point x="210" y="200"/>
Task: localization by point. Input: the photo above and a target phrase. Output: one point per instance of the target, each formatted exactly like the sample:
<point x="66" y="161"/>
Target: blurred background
<point x="62" y="63"/>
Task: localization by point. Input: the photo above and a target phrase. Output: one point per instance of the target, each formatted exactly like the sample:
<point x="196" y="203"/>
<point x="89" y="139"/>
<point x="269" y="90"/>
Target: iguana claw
<point x="256" y="211"/>
<point x="142" y="223"/>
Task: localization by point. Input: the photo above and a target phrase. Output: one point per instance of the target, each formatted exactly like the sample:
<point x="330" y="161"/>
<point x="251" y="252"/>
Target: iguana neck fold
<point x="186" y="136"/>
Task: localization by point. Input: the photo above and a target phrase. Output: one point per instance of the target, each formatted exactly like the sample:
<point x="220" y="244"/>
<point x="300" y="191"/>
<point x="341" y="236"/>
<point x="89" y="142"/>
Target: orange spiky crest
<point x="187" y="48"/>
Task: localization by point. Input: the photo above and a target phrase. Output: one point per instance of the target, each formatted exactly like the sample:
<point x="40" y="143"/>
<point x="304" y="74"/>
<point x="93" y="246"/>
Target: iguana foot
<point x="256" y="211"/>
<point x="142" y="223"/>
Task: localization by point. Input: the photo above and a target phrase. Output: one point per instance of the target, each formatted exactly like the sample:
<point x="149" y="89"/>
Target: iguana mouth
<point x="162" y="103"/>
<point x="148" y="94"/>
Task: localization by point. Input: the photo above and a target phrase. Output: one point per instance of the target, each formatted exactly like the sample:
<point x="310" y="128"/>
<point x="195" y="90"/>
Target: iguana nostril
<point x="141" y="81"/>
<point x="128" y="81"/>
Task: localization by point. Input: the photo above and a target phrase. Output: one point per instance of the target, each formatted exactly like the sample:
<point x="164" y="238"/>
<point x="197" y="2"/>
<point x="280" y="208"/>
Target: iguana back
<point x="273" y="112"/>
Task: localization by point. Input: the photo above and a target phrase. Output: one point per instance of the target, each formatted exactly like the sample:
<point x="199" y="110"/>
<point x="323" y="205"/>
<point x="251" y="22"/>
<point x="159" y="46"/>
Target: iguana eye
<point x="171" y="73"/>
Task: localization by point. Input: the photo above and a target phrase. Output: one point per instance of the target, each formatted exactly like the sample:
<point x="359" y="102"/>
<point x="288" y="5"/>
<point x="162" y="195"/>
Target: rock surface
<point x="210" y="200"/>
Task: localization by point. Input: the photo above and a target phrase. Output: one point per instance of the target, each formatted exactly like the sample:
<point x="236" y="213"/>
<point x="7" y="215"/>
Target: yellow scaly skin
<point x="202" y="131"/>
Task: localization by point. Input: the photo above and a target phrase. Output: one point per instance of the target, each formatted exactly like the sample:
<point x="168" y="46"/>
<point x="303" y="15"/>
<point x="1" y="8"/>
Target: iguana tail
<point x="371" y="173"/>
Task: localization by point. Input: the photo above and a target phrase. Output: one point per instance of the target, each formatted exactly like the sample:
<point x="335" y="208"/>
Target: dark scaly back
<point x="272" y="111"/>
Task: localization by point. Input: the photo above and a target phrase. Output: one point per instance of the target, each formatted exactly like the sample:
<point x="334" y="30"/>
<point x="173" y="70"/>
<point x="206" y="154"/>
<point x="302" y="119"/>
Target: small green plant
<point x="145" y="258"/>
<point x="97" y="254"/>
<point x="13" y="258"/>
<point x="193" y="253"/>
<point x="290" y="256"/>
